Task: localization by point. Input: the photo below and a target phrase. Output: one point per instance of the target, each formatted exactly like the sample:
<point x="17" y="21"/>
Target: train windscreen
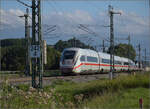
<point x="69" y="55"/>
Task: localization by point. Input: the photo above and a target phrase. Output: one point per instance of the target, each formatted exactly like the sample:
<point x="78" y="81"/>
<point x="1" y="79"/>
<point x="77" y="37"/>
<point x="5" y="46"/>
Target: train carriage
<point x="104" y="62"/>
<point x="77" y="60"/>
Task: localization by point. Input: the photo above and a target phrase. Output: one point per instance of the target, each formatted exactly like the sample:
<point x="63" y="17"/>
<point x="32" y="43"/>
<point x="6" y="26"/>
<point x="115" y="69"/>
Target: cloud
<point x="80" y="16"/>
<point x="132" y="23"/>
<point x="67" y="23"/>
<point x="126" y="23"/>
<point x="68" y="18"/>
<point x="10" y="19"/>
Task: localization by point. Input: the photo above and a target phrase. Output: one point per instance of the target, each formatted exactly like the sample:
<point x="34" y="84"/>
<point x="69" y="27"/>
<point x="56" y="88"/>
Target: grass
<point x="52" y="73"/>
<point x="99" y="86"/>
<point x="66" y="94"/>
<point x="9" y="76"/>
<point x="127" y="99"/>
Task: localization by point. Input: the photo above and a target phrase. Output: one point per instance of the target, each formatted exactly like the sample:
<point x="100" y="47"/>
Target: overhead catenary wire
<point x="24" y="4"/>
<point x="62" y="10"/>
<point x="86" y="30"/>
<point x="68" y="22"/>
<point x="49" y="30"/>
<point x="50" y="3"/>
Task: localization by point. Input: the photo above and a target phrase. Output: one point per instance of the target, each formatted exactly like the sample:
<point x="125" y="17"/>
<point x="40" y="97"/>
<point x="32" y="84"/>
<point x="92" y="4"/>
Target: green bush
<point x="23" y="87"/>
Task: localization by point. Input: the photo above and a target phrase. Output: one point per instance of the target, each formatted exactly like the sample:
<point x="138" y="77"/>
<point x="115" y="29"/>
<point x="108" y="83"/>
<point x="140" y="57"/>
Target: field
<point x="120" y="93"/>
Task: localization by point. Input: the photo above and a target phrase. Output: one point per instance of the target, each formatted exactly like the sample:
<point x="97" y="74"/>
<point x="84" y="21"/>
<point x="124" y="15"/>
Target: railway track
<point x="49" y="80"/>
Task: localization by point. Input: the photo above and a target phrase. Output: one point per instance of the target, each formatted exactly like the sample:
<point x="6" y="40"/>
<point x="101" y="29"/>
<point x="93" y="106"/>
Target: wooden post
<point x="141" y="103"/>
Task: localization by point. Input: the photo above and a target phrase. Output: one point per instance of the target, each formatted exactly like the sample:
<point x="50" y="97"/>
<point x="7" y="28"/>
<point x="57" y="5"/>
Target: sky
<point x="67" y="15"/>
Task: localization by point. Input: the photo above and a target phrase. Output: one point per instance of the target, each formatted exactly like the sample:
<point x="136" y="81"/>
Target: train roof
<point x="101" y="54"/>
<point x="87" y="52"/>
<point x="81" y="50"/>
<point x="107" y="56"/>
<point x="72" y="48"/>
<point x="104" y="55"/>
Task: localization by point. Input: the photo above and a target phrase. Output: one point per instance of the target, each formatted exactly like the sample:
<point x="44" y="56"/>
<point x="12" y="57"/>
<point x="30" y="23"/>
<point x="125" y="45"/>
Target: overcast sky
<point x="67" y="15"/>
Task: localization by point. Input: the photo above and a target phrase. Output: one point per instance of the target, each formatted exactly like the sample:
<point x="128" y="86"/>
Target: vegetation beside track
<point x="17" y="74"/>
<point x="66" y="94"/>
<point x="123" y="99"/>
<point x="52" y="73"/>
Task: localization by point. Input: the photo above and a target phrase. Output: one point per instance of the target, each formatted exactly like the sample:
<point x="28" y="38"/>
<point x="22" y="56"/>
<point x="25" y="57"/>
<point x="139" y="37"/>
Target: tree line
<point x="13" y="53"/>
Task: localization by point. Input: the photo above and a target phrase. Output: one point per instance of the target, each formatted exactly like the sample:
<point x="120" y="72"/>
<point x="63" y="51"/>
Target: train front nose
<point x="67" y="66"/>
<point x="67" y="61"/>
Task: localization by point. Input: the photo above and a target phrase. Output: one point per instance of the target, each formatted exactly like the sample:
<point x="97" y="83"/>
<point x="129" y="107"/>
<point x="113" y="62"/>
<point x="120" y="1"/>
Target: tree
<point x="53" y="58"/>
<point x="61" y="45"/>
<point x="13" y="55"/>
<point x="13" y="59"/>
<point x="122" y="51"/>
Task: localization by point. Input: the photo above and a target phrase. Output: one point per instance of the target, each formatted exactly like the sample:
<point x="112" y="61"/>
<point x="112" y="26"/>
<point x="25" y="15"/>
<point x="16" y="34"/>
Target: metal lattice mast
<point x="36" y="49"/>
<point x="111" y="13"/>
<point x="37" y="64"/>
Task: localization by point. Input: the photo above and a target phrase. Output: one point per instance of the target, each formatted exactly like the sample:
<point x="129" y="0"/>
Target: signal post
<point x="111" y="13"/>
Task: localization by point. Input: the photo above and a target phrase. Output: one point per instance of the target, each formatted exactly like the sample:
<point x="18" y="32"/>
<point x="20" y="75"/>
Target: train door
<point x="82" y="60"/>
<point x="94" y="62"/>
<point x="88" y="65"/>
<point x="95" y="66"/>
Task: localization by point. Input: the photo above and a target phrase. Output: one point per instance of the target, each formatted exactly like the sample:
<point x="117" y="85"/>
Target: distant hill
<point x="13" y="53"/>
<point x="12" y="42"/>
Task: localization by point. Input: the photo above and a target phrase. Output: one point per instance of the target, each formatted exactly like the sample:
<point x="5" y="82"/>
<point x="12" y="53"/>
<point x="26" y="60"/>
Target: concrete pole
<point x="128" y="50"/>
<point x="145" y="57"/>
<point x="139" y="46"/>
<point x="103" y="46"/>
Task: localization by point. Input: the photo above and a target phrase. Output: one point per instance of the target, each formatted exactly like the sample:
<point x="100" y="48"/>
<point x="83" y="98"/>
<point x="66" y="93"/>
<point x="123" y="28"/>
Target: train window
<point x="118" y="62"/>
<point x="69" y="54"/>
<point x="92" y="59"/>
<point x="131" y="63"/>
<point x="126" y="63"/>
<point x="82" y="58"/>
<point x="106" y="61"/>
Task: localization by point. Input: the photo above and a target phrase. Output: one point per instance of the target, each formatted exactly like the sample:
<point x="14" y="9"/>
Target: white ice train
<point x="77" y="60"/>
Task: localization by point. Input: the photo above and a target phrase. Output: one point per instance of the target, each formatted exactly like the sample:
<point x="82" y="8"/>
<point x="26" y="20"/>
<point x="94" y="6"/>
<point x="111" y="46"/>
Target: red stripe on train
<point x="98" y="65"/>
